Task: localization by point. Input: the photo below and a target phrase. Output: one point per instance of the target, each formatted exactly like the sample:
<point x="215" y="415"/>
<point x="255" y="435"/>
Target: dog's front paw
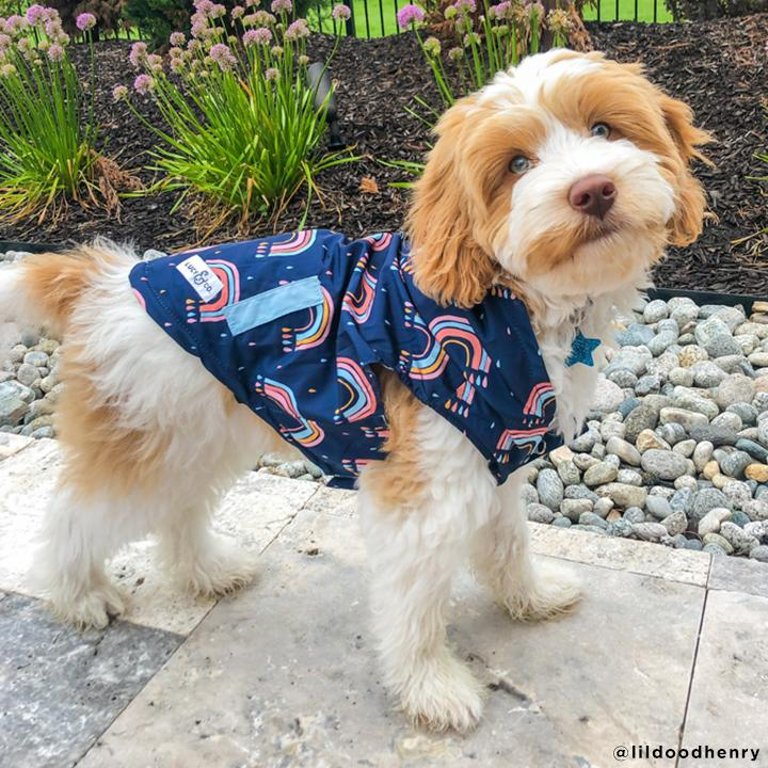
<point x="553" y="592"/>
<point x="219" y="568"/>
<point x="444" y="696"/>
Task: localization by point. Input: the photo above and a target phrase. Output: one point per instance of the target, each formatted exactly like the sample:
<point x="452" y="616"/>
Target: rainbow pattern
<point x="315" y="332"/>
<point x="359" y="304"/>
<point x="530" y="440"/>
<point x="309" y="434"/>
<point x="539" y="399"/>
<point x="431" y="361"/>
<point x="453" y="330"/>
<point x="361" y="401"/>
<point x="380" y="241"/>
<point x="230" y="294"/>
<point x="295" y="243"/>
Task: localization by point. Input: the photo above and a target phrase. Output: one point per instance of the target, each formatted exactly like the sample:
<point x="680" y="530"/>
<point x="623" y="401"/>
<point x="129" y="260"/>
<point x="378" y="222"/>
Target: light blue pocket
<point x="268" y="306"/>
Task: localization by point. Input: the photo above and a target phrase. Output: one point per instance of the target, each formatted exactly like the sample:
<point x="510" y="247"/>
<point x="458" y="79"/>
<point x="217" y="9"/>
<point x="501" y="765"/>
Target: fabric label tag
<point x="201" y="277"/>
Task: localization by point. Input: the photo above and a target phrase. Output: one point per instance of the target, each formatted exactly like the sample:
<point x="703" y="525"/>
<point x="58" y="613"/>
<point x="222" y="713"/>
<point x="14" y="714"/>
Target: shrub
<point x="242" y="133"/>
<point x="157" y="19"/>
<point x="46" y="152"/>
<point x="106" y="12"/>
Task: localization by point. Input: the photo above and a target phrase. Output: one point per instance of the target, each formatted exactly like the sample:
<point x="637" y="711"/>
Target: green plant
<point x="241" y="130"/>
<point x="46" y="149"/>
<point x="487" y="40"/>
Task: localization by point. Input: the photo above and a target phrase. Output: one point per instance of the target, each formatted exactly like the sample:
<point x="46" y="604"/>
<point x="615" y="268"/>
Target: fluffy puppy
<point x="562" y="181"/>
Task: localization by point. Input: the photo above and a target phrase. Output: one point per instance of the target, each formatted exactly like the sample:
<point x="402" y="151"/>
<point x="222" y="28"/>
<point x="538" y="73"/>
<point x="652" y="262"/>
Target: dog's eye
<point x="520" y="164"/>
<point x="601" y="130"/>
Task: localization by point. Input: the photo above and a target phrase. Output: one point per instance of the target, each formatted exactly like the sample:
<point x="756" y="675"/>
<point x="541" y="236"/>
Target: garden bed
<point x="717" y="67"/>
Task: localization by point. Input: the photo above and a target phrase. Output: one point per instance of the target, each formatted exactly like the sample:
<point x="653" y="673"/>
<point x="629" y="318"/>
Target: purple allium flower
<point x="341" y="12"/>
<point x="537" y="9"/>
<point x="260" y="36"/>
<point x="281" y="6"/>
<point x="252" y="3"/>
<point x="264" y="18"/>
<point x="85" y="21"/>
<point x="237" y="12"/>
<point x="55" y="52"/>
<point x="223" y="56"/>
<point x="410" y="14"/>
<point x="432" y="46"/>
<point x="204" y="7"/>
<point x="297" y="29"/>
<point x="177" y="38"/>
<point x="218" y="11"/>
<point x="36" y="14"/>
<point x="175" y="53"/>
<point x="119" y="93"/>
<point x="177" y="65"/>
<point x="500" y="10"/>
<point x="272" y="73"/>
<point x="16" y="24"/>
<point x="143" y="84"/>
<point x="53" y="28"/>
<point x="138" y="54"/>
<point x="154" y="63"/>
<point x="199" y="29"/>
<point x="467" y="6"/>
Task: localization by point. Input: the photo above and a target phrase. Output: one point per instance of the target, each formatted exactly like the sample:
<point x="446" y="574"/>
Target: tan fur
<point x="100" y="452"/>
<point x="396" y="482"/>
<point x="451" y="263"/>
<point x="638" y="110"/>
<point x="461" y="203"/>
<point x="55" y="282"/>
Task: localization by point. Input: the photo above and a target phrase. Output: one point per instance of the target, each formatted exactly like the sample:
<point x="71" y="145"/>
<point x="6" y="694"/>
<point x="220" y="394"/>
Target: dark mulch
<point x="717" y="67"/>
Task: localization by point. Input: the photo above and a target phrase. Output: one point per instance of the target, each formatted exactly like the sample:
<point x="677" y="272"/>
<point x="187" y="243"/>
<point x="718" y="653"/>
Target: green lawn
<point x="382" y="18"/>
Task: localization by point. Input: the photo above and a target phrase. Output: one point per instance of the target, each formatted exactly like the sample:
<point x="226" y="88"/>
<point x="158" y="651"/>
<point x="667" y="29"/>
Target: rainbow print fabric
<point x="296" y="326"/>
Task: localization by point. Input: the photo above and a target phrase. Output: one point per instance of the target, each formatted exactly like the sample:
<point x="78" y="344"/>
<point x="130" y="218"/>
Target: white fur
<point x="413" y="551"/>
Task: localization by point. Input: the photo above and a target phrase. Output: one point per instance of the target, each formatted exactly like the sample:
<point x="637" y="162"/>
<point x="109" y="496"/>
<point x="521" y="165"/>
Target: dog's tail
<point x="42" y="290"/>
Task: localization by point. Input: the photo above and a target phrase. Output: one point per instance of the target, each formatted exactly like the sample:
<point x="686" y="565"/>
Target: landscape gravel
<point x="675" y="449"/>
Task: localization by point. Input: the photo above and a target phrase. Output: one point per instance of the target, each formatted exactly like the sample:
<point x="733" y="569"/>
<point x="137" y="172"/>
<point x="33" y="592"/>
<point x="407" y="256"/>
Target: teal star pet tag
<point x="582" y="350"/>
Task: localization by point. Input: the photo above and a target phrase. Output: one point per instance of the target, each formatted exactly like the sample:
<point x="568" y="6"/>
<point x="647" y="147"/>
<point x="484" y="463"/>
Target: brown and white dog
<point x="564" y="179"/>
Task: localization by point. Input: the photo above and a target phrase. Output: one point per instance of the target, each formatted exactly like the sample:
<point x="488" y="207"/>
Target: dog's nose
<point x="593" y="195"/>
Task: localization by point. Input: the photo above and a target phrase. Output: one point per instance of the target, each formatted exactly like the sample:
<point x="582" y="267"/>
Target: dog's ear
<point x="449" y="265"/>
<point x="687" y="222"/>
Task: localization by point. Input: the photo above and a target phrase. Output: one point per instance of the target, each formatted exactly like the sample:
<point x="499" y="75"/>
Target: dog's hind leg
<point x="198" y="559"/>
<point x="79" y="534"/>
<point x="501" y="559"/>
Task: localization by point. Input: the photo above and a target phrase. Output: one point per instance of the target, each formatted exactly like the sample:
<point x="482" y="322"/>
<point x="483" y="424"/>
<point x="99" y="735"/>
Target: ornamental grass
<point x="240" y="132"/>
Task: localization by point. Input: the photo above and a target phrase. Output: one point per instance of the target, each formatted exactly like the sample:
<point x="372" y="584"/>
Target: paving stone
<point x="735" y="574"/>
<point x="618" y="554"/>
<point x="285" y="673"/>
<point x="59" y="688"/>
<point x="11" y="444"/>
<point x="256" y="509"/>
<point x="732" y="657"/>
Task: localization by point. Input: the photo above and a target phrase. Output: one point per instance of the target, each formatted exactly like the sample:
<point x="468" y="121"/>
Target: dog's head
<point x="567" y="174"/>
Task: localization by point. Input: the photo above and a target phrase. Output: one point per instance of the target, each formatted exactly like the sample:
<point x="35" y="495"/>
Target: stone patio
<point x="667" y="650"/>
